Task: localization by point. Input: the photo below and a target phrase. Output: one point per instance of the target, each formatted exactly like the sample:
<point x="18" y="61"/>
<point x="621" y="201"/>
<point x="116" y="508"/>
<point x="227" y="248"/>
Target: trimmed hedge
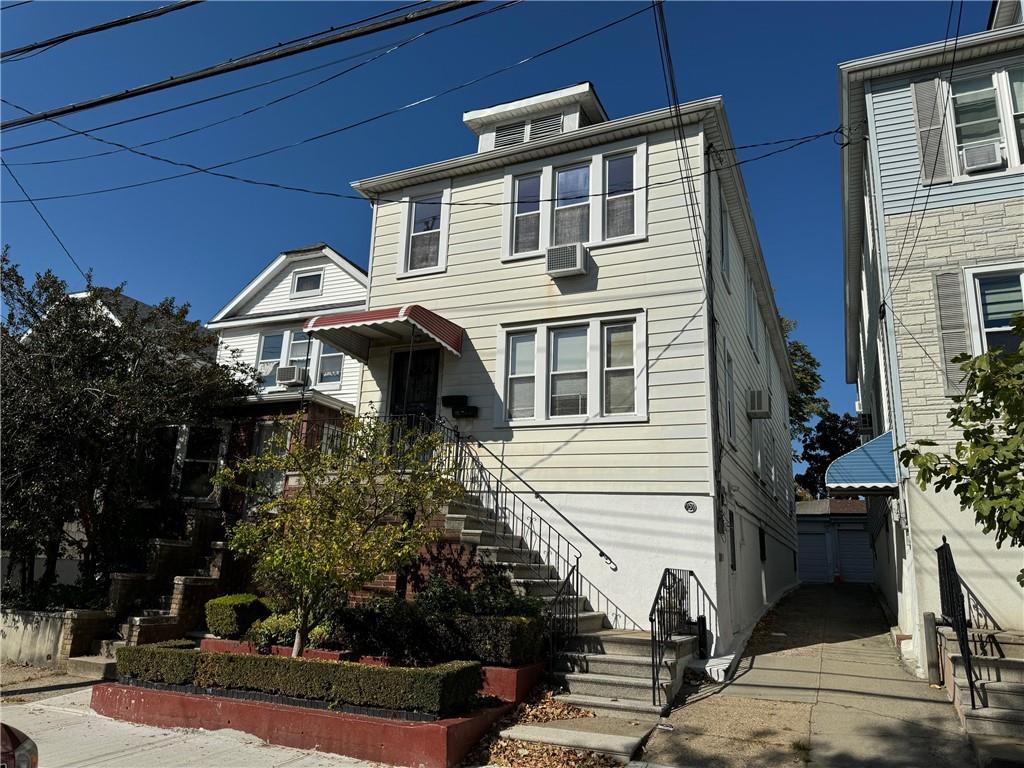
<point x="502" y="641"/>
<point x="231" y="616"/>
<point x="441" y="690"/>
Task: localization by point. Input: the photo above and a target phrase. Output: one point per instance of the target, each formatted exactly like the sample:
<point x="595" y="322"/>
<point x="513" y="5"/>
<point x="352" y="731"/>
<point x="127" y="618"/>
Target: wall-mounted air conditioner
<point x="566" y="260"/>
<point x="981" y="157"/>
<point x="759" y="404"/>
<point x="291" y="376"/>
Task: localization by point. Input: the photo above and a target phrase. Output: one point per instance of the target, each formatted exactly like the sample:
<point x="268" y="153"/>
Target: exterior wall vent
<point x="759" y="404"/>
<point x="291" y="376"/>
<point x="509" y="135"/>
<point x="566" y="260"/>
<point x="981" y="157"/>
<point x="549" y="125"/>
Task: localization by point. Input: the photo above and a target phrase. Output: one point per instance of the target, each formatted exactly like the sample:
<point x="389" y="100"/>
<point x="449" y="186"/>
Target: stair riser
<point x="1002" y="699"/>
<point x="640" y="669"/>
<point x="643" y="710"/>
<point x="459" y="523"/>
<point x="982" y="726"/>
<point x="592" y="623"/>
<point x="489" y="538"/>
<point x="997" y="697"/>
<point x="491" y="554"/>
<point x="567" y="600"/>
<point x="585" y="685"/>
<point x="681" y="650"/>
<point x="535" y="588"/>
<point x="986" y="668"/>
<point x="92" y="670"/>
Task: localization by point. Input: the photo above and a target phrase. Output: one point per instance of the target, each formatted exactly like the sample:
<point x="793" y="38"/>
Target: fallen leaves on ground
<point x="541" y="707"/>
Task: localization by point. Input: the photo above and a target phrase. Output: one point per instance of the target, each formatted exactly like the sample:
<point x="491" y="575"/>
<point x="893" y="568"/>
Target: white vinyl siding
<point x="336" y="287"/>
<point x="724" y="235"/>
<point x="730" y="398"/>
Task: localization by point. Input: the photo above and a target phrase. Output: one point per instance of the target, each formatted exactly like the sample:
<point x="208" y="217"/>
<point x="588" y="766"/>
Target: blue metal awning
<point x="868" y="470"/>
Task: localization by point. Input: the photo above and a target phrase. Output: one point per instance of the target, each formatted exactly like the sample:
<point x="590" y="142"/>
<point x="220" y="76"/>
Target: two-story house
<point x="587" y="298"/>
<point x="933" y="205"/>
<point x="263" y="326"/>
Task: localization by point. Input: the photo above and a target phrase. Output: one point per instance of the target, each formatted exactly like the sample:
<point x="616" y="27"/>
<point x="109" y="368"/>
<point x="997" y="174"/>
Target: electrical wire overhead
<point x="53" y="42"/>
<point x="244" y="62"/>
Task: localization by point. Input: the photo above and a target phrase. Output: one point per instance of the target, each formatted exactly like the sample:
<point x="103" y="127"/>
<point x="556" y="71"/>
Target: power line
<point x="55" y="41"/>
<point x="15" y="5"/>
<point x="361" y="198"/>
<point x="47" y="223"/>
<point x="349" y="126"/>
<point x="386" y="50"/>
<point x="242" y="63"/>
<point x="897" y="271"/>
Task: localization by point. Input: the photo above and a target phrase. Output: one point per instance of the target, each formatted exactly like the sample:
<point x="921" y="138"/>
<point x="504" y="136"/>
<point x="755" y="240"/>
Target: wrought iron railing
<point x="954" y="615"/>
<point x="563" y="621"/>
<point x="677" y="610"/>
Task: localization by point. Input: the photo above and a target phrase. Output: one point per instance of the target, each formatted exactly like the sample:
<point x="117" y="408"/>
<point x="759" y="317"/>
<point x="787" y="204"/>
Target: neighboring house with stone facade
<point x="933" y="203"/>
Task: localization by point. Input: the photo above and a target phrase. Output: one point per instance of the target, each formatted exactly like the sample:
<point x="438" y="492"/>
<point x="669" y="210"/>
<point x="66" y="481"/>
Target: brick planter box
<point x="216" y="645"/>
<point x="436" y="744"/>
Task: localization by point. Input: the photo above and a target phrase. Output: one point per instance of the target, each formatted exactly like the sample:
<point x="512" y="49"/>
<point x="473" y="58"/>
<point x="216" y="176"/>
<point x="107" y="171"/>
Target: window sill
<point x="624" y="240"/>
<point x="306" y="295"/>
<point x="418" y="272"/>
<point x="523" y="256"/>
<point x="959" y="179"/>
<point x="575" y="421"/>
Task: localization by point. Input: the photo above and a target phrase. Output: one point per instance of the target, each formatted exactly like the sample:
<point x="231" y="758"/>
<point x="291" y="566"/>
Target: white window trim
<point x="547" y="186"/>
<point x="974" y="300"/>
<point x="313" y="371"/>
<point x="405" y="229"/>
<point x="296" y="294"/>
<point x="595" y="393"/>
<point x="318" y="351"/>
<point x="1014" y="159"/>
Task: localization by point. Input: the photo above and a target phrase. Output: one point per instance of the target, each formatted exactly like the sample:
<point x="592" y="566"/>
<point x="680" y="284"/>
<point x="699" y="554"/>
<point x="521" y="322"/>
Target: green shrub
<point x="231" y="616"/>
<point x="157" y="663"/>
<point x="504" y="641"/>
<point x="443" y="689"/>
<point x="276" y="629"/>
<point x="388" y="627"/>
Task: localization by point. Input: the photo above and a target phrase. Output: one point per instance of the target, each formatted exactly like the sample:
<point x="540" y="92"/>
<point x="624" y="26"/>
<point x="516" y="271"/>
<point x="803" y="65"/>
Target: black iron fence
<point x="954" y="615"/>
<point x="673" y="614"/>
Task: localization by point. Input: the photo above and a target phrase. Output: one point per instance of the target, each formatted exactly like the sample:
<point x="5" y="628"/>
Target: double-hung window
<point x="1016" y="79"/>
<point x="299" y="349"/>
<point x="520" y="393"/>
<point x="976" y="119"/>
<point x="574" y="371"/>
<point x="526" y="226"/>
<point x="995" y="295"/>
<point x="331" y="361"/>
<point x="620" y="197"/>
<point x="572" y="205"/>
<point x="270" y="358"/>
<point x="568" y="383"/>
<point x="425" y="237"/>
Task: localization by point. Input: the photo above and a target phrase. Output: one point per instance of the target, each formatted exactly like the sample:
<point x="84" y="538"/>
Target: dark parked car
<point x="16" y="749"/>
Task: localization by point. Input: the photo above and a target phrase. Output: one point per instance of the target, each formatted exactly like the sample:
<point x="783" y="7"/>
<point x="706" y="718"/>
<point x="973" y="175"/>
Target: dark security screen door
<point x="414" y="383"/>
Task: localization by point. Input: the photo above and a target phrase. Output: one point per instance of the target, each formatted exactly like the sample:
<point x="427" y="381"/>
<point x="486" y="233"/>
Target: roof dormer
<point x="535" y="117"/>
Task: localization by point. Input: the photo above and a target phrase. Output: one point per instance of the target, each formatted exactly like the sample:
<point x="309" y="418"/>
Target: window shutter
<point x="953" y="335"/>
<point x="508" y="135"/>
<point x="929" y="111"/>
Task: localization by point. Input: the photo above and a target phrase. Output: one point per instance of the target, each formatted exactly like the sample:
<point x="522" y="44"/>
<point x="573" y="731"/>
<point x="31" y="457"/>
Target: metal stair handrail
<point x="951" y="598"/>
<point x="669" y="614"/>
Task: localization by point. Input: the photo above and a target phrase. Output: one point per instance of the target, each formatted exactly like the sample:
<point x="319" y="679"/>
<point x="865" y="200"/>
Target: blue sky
<point x="201" y="239"/>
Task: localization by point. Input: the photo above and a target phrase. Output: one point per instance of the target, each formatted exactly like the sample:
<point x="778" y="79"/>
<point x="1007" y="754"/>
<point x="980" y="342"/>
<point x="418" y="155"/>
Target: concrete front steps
<point x="997" y="664"/>
<point x="610" y="736"/>
<point x="93" y="667"/>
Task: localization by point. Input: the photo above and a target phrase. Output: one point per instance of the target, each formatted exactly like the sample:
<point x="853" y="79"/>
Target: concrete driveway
<point x="820" y="684"/>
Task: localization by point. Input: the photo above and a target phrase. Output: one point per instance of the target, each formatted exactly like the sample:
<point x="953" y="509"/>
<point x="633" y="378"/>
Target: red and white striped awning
<point x="355" y="332"/>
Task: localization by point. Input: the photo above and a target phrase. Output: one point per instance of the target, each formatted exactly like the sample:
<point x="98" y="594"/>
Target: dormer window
<point x="307" y="282"/>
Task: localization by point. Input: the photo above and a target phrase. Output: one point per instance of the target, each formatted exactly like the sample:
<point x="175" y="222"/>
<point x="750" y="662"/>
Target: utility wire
<point x="899" y="271"/>
<point x="242" y="63"/>
<point x="47" y="223"/>
<point x="389" y="49"/>
<point x="361" y="198"/>
<point x="15" y="5"/>
<point x="349" y="126"/>
<point x="55" y="41"/>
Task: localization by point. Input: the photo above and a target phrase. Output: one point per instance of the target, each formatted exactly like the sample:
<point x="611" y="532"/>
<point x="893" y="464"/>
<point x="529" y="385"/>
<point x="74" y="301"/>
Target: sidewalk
<point x="819" y="684"/>
<point x="70" y="735"/>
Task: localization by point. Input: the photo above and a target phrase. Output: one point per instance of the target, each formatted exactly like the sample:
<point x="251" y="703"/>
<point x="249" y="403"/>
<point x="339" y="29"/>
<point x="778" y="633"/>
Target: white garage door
<point x="812" y="557"/>
<point x="855" y="560"/>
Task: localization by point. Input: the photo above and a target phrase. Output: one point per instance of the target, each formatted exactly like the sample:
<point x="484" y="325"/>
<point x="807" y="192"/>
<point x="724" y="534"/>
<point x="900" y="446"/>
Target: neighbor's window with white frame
<point x="987" y="119"/>
<point x="296" y="348"/>
<point x="995" y="294"/>
<point x="594" y="199"/>
<point x="332" y="360"/>
<point x="269" y="361"/>
<point x="307" y="282"/>
<point x="576" y="371"/>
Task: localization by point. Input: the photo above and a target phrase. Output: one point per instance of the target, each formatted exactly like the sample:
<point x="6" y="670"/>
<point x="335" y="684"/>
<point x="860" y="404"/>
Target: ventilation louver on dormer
<point x="549" y="125"/>
<point x="509" y="135"/>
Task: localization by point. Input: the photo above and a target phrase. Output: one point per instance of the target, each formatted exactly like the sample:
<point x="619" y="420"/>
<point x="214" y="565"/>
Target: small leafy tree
<point x="832" y="436"/>
<point x="805" y="403"/>
<point x="358" y="501"/>
<point x="985" y="469"/>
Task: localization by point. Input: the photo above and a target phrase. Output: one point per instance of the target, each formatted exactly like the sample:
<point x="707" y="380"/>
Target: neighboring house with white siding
<point x="933" y="202"/>
<point x="595" y="321"/>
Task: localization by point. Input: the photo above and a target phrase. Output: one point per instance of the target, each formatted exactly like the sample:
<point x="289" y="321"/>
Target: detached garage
<point x="834" y="541"/>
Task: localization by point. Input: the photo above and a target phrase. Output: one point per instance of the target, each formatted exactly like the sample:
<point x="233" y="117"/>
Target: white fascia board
<point x="284" y="317"/>
<point x="345" y="265"/>
<point x="574" y="94"/>
<point x="255" y="284"/>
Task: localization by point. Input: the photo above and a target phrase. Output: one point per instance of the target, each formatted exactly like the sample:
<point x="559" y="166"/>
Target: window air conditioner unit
<point x="566" y="260"/>
<point x="981" y="157"/>
<point x="759" y="404"/>
<point x="291" y="376"/>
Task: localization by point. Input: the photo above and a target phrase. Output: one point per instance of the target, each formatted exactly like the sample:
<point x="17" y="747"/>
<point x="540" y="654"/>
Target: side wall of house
<point x="756" y="499"/>
<point x="625" y="485"/>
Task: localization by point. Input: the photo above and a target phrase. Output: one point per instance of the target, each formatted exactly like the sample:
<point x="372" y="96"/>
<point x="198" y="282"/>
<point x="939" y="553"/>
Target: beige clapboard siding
<point x="668" y="453"/>
<point x="749" y="496"/>
<point x="338" y="288"/>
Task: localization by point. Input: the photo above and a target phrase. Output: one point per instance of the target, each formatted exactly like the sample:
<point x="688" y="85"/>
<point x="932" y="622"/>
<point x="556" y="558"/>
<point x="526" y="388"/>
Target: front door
<point x="414" y="379"/>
